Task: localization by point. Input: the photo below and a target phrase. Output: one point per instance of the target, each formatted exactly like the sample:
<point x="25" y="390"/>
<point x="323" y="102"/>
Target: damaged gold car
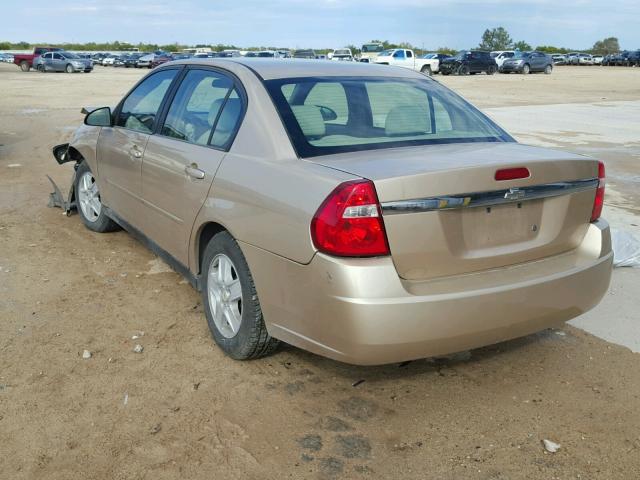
<point x="365" y="213"/>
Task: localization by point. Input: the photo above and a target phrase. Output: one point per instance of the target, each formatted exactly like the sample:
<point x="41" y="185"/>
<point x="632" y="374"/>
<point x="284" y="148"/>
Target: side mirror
<point x="100" y="117"/>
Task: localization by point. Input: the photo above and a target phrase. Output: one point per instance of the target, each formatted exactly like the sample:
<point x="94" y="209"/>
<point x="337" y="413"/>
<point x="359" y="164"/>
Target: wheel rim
<point x="89" y="197"/>
<point x="225" y="295"/>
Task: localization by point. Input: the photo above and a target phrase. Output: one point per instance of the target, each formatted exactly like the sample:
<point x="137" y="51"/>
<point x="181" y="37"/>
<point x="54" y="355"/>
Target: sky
<point x="427" y="24"/>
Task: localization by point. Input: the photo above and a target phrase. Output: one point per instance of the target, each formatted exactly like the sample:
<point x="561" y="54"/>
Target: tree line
<point x="492" y="39"/>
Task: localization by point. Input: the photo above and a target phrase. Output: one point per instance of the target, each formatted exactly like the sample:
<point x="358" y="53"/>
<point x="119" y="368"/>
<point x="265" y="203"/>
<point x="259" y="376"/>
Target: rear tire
<point x="548" y="69"/>
<point x="231" y="302"/>
<point x="89" y="203"/>
<point x="492" y="70"/>
<point x="24" y="66"/>
<point x="426" y="70"/>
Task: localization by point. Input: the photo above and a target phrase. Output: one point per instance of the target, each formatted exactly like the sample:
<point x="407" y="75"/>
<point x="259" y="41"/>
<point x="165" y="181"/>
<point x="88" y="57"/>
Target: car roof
<point x="270" y="69"/>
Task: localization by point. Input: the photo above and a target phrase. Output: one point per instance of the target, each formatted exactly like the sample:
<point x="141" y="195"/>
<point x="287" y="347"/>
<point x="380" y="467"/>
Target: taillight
<point x="349" y="222"/>
<point x="512" y="173"/>
<point x="598" y="202"/>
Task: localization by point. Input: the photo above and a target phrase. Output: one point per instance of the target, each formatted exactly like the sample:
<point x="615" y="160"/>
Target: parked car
<point x="528" y="62"/>
<point x="145" y="61"/>
<point x="160" y="59"/>
<point x="109" y="60"/>
<point x="25" y="60"/>
<point x="131" y="61"/>
<point x="585" y="59"/>
<point x="402" y="57"/>
<point x="370" y="51"/>
<point x="501" y="55"/>
<point x="435" y="56"/>
<point x="469" y="62"/>
<point x="62" y="61"/>
<point x="573" y="58"/>
<point x="119" y="60"/>
<point x="6" y="57"/>
<point x="597" y="59"/>
<point x="633" y="59"/>
<point x="308" y="54"/>
<point x="342" y="55"/>
<point x="267" y="54"/>
<point x="372" y="250"/>
<point x="558" y="59"/>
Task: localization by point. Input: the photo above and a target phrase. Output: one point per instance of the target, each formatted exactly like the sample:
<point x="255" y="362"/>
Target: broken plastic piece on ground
<point x="626" y="248"/>
<point x="551" y="447"/>
<point x="56" y="199"/>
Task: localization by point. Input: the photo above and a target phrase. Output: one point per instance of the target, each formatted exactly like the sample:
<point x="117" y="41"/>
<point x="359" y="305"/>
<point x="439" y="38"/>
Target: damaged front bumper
<point x="56" y="198"/>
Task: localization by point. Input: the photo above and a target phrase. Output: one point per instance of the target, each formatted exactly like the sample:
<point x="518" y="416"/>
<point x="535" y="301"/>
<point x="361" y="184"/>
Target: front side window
<point x="140" y="109"/>
<point x="57" y="56"/>
<point x="398" y="54"/>
<point x="205" y="109"/>
<point x="368" y="113"/>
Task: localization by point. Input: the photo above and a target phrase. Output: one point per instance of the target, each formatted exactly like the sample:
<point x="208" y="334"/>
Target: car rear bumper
<point x="359" y="311"/>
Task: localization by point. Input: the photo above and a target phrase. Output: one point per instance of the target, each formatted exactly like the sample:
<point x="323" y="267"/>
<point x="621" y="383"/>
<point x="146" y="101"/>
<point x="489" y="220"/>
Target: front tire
<point x="24" y="66"/>
<point x="231" y="302"/>
<point x="89" y="203"/>
<point x="526" y="69"/>
<point x="464" y="70"/>
<point x="492" y="70"/>
<point x="69" y="68"/>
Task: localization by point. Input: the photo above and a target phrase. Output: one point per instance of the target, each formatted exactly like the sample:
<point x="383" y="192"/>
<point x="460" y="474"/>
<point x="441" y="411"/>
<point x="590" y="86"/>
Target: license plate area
<point x="494" y="225"/>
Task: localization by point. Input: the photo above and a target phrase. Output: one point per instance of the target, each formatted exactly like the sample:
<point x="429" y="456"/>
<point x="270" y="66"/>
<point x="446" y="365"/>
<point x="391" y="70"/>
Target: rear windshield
<point x="331" y="115"/>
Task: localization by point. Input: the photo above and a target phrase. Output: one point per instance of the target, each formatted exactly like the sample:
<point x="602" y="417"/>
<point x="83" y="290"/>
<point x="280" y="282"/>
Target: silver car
<point x="62" y="62"/>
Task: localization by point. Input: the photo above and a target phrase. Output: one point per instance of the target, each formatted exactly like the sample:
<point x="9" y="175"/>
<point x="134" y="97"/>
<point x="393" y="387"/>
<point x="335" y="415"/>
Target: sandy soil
<point x="180" y="409"/>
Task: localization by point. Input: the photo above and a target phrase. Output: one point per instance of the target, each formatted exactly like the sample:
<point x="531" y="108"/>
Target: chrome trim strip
<point x="490" y="198"/>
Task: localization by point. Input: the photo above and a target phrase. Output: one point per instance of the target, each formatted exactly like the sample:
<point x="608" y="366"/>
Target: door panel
<point x="181" y="161"/>
<point x="120" y="154"/>
<point x="121" y="148"/>
<point x="172" y="198"/>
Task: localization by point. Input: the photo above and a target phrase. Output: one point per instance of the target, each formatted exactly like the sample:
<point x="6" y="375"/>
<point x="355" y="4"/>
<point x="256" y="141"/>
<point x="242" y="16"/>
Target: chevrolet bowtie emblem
<point x="515" y="194"/>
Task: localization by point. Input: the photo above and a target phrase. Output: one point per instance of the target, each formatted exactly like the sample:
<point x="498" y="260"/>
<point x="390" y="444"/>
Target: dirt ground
<point x="181" y="409"/>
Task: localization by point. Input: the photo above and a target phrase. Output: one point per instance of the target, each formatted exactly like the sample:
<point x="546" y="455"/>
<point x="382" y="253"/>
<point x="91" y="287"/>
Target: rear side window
<point x="367" y="113"/>
<point x="140" y="109"/>
<point x="205" y="110"/>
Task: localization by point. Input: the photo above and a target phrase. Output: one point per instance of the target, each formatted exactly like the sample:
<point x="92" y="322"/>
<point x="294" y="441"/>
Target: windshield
<point x="341" y="52"/>
<point x="372" y="48"/>
<point x="343" y="114"/>
<point x="521" y="55"/>
<point x="69" y="55"/>
<point x="430" y="55"/>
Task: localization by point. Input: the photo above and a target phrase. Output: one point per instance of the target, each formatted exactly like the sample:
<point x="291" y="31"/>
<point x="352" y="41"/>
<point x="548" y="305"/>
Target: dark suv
<point x="466" y="62"/>
<point x="528" y="62"/>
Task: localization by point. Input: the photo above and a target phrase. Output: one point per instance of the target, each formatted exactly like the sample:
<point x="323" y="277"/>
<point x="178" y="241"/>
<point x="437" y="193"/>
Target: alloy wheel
<point x="225" y="295"/>
<point x="89" y="197"/>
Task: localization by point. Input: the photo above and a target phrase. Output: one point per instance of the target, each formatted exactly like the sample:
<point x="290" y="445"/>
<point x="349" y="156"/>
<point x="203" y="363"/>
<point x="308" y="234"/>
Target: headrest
<point x="310" y="120"/>
<point x="407" y="120"/>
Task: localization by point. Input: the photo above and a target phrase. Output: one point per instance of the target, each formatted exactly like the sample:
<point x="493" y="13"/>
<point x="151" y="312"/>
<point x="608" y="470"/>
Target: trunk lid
<point x="462" y="222"/>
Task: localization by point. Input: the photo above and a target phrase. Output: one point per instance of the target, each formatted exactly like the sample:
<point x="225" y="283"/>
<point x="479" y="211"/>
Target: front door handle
<point x="194" y="172"/>
<point x="135" y="152"/>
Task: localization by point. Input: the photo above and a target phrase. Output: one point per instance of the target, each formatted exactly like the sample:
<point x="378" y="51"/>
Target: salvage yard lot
<point x="181" y="409"/>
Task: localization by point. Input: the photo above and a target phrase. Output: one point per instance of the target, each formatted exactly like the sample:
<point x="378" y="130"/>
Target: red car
<point x="25" y="61"/>
<point x="159" y="60"/>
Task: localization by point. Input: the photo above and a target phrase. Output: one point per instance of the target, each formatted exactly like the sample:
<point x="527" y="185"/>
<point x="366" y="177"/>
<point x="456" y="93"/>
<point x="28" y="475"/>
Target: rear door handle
<point x="194" y="172"/>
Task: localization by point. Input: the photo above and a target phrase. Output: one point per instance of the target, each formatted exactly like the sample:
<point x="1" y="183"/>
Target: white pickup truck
<point x="401" y="57"/>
